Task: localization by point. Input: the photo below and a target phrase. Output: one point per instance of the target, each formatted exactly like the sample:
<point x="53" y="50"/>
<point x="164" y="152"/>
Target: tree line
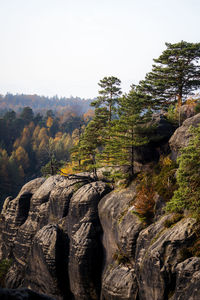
<point x="122" y="122"/>
<point x="40" y="104"/>
<point x="30" y="141"/>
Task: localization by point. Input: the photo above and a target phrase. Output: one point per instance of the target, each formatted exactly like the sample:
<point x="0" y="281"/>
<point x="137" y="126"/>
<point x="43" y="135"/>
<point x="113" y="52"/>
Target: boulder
<point x="182" y="135"/>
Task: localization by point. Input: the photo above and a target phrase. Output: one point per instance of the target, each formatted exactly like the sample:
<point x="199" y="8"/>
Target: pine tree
<point x="174" y="76"/>
<point x="129" y="131"/>
<point x="108" y="95"/>
<point x="88" y="147"/>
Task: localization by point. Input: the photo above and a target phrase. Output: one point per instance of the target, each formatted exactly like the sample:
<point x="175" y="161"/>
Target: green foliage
<point x="128" y="131"/>
<point x="164" y="177"/>
<point x="187" y="196"/>
<point x="172" y="115"/>
<point x="52" y="167"/>
<point x="197" y="107"/>
<point x="87" y="149"/>
<point x="174" y="76"/>
<point x="161" y="180"/>
<point x="108" y="95"/>
<point x="5" y="264"/>
<point x="29" y="142"/>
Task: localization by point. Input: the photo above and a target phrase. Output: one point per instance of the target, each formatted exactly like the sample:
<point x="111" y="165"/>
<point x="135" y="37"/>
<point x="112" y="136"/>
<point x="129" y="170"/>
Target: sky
<point x="65" y="47"/>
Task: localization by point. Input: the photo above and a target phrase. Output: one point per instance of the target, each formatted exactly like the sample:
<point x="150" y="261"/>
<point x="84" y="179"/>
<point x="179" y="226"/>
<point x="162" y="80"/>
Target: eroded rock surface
<point x="120" y="232"/>
<point x="53" y="234"/>
<point x="119" y="282"/>
<point x="86" y="251"/>
<point x="188" y="280"/>
<point x="75" y="239"/>
<point x="158" y="252"/>
<point x="182" y="135"/>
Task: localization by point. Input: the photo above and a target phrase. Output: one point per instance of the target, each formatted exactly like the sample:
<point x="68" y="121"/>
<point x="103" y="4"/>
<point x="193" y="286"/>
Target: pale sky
<point x="65" y="47"/>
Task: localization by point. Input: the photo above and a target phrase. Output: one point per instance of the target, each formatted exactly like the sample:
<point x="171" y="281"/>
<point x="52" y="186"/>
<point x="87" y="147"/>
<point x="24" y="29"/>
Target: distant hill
<point x="42" y="104"/>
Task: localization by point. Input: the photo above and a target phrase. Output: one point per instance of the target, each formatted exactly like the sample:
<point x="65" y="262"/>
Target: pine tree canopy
<point x="109" y="94"/>
<point x="174" y="76"/>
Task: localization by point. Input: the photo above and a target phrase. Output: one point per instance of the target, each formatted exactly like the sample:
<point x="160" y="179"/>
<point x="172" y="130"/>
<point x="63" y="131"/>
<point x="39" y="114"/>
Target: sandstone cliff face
<point x="181" y="136"/>
<point x="76" y="239"/>
<point x="80" y="240"/>
<point x="53" y="234"/>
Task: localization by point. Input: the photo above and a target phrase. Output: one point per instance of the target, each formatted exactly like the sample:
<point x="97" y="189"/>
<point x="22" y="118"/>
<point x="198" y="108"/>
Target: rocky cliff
<point x="76" y="238"/>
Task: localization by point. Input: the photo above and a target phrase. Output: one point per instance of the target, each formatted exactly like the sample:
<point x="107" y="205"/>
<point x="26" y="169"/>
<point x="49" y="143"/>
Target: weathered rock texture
<point x="182" y="135"/>
<point x="53" y="234"/>
<point x="188" y="277"/>
<point x="159" y="250"/>
<point x="121" y="229"/>
<point x="75" y="239"/>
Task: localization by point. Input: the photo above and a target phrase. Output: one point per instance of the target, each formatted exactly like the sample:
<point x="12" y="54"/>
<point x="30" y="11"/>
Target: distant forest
<point x="34" y="132"/>
<point x="42" y="104"/>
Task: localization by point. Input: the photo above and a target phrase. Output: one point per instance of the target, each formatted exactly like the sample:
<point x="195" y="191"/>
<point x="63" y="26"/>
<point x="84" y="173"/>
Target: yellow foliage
<point x="43" y="145"/>
<point x="16" y="143"/>
<point x="43" y="134"/>
<point x="49" y="122"/>
<point x="75" y="135"/>
<point x="165" y="161"/>
<point x="192" y="101"/>
<point x="68" y="169"/>
<point x="31" y="126"/>
<point x="58" y="135"/>
<point x="21" y="156"/>
<point x="36" y="132"/>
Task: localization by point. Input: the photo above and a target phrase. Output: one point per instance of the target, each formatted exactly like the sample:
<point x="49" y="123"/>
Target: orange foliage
<point x="21" y="156"/>
<point x="192" y="101"/>
<point x="144" y="202"/>
<point x="88" y="115"/>
<point x="49" y="122"/>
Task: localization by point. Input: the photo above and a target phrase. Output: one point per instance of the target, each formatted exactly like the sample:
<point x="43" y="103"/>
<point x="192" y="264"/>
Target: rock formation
<point x="74" y="238"/>
<point x="181" y="136"/>
<point x="53" y="226"/>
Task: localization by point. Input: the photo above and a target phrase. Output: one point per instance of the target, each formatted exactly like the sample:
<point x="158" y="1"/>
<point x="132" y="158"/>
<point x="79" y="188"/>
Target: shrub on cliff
<point x="187" y="196"/>
<point x="5" y="264"/>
